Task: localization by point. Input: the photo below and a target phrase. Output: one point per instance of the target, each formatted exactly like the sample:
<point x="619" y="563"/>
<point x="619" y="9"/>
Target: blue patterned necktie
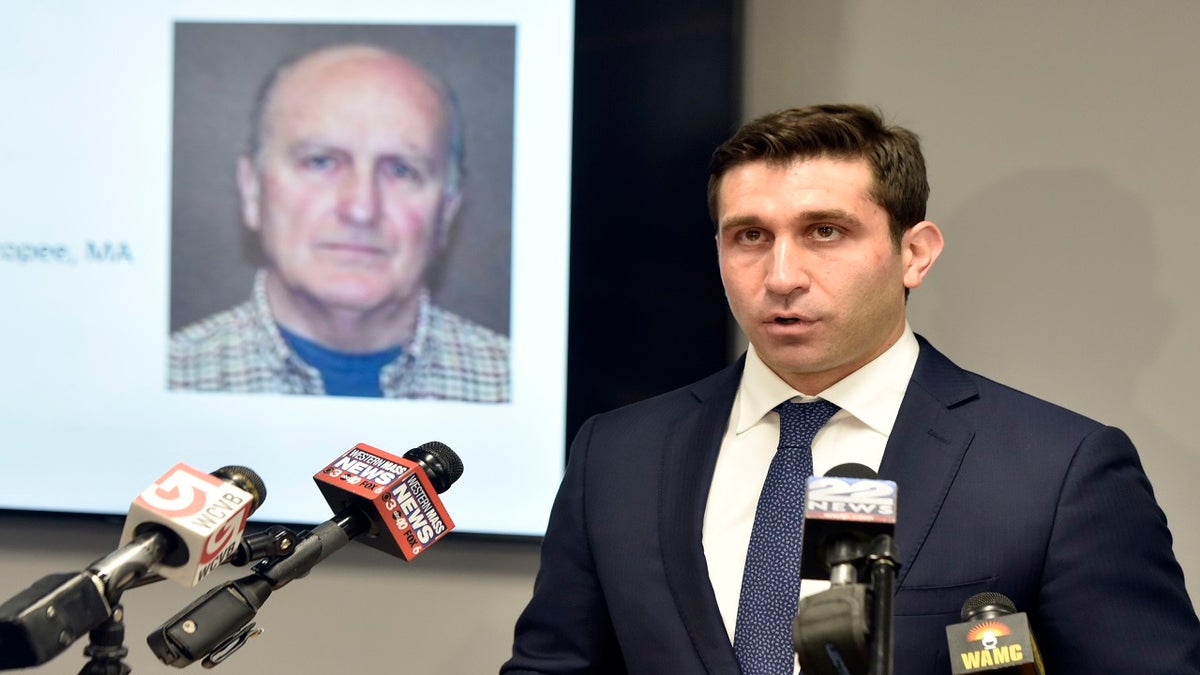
<point x="771" y="583"/>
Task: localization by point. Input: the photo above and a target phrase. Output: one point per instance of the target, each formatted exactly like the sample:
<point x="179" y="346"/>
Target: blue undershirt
<point x="343" y="374"/>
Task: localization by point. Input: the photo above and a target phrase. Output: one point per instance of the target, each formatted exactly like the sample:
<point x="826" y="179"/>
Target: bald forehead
<point x="355" y="70"/>
<point x="370" y="66"/>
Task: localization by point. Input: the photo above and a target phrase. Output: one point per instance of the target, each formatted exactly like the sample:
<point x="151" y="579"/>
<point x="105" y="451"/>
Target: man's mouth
<point x="789" y="320"/>
<point x="349" y="247"/>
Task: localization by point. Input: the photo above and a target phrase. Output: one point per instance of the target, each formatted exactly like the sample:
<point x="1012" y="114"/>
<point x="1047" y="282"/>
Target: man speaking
<point x="675" y="542"/>
<point x="351" y="183"/>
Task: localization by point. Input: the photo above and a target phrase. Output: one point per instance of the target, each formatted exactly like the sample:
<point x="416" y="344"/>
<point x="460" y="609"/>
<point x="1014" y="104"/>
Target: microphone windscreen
<point x="989" y="605"/>
<point x="852" y="470"/>
<point x="441" y="464"/>
<point x="246" y="479"/>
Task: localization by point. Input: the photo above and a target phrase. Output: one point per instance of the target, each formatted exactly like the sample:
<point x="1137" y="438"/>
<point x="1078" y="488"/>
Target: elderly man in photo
<point x="351" y="182"/>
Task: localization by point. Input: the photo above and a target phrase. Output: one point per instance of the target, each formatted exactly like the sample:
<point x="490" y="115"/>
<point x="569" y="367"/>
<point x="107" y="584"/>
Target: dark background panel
<point x="656" y="90"/>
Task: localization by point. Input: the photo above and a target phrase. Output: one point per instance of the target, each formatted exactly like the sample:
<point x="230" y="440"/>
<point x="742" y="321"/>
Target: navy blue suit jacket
<point x="998" y="491"/>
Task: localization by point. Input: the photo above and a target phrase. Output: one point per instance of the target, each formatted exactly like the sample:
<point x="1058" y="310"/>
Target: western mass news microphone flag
<point x="397" y="494"/>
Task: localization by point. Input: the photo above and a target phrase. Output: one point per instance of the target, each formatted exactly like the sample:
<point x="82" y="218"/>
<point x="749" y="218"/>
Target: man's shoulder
<point x="228" y="351"/>
<point x="216" y="332"/>
<point x="447" y="329"/>
<point x="456" y="358"/>
<point x="985" y="398"/>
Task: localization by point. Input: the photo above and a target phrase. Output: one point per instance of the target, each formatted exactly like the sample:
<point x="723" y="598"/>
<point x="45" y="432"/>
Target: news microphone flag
<point x="395" y="493"/>
<point x="994" y="638"/>
<point x="838" y="509"/>
<point x="204" y="514"/>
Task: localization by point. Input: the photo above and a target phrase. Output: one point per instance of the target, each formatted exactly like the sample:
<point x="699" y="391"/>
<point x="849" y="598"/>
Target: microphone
<point x="181" y="527"/>
<point x="994" y="637"/>
<point x="844" y="509"/>
<point x="392" y="500"/>
<point x="390" y="503"/>
<point x="197" y="519"/>
<point x="849" y="522"/>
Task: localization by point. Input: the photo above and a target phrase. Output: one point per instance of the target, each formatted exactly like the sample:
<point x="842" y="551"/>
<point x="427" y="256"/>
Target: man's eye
<point x="825" y="232"/>
<point x="318" y="162"/>
<point x="399" y="169"/>
<point x="751" y="236"/>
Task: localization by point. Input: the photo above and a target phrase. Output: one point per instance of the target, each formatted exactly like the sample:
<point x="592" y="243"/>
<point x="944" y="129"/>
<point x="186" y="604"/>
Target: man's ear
<point x="919" y="248"/>
<point x="250" y="190"/>
<point x="451" y="202"/>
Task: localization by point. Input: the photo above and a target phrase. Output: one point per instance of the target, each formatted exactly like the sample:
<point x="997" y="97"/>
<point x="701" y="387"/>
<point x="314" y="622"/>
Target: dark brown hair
<point x="836" y="131"/>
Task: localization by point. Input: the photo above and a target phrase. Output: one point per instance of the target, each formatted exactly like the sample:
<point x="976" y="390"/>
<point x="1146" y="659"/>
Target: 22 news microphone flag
<point x="849" y="522"/>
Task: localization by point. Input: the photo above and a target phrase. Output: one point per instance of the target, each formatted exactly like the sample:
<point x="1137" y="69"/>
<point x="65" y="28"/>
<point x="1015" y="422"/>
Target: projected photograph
<point x="262" y="233"/>
<point x="341" y="210"/>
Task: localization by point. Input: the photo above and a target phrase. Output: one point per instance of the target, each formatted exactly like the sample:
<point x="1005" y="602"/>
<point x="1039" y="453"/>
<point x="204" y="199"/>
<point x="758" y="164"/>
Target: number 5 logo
<point x="178" y="494"/>
<point x="224" y="536"/>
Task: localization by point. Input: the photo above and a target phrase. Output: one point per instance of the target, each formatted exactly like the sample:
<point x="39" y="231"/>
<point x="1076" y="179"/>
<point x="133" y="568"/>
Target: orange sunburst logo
<point x="994" y="628"/>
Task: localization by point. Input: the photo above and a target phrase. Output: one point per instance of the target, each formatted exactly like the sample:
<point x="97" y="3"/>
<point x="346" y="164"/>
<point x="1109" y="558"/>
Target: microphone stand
<point x="847" y="630"/>
<point x="883" y="560"/>
<point x="220" y="622"/>
<point x="106" y="647"/>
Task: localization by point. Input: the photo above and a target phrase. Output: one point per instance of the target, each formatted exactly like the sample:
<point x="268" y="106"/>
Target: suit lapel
<point x="689" y="458"/>
<point x="926" y="448"/>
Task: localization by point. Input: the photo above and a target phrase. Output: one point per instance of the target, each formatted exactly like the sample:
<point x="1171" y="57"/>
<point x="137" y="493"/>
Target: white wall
<point x="1064" y="161"/>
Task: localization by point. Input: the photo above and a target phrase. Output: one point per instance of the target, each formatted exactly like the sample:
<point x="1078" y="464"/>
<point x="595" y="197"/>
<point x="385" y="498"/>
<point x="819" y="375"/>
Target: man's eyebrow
<point x="302" y="146"/>
<point x="834" y="215"/>
<point x="415" y="157"/>
<point x="738" y="221"/>
<point x="815" y="215"/>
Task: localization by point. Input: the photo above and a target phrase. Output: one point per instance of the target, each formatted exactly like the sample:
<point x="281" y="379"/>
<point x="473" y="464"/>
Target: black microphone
<point x="994" y="637"/>
<point x="181" y="527"/>
<point x="844" y="509"/>
<point x="849" y="522"/>
<point x="829" y="537"/>
<point x="388" y="502"/>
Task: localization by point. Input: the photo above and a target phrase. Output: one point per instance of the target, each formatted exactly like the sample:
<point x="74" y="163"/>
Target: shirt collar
<point x="279" y="346"/>
<point x="872" y="393"/>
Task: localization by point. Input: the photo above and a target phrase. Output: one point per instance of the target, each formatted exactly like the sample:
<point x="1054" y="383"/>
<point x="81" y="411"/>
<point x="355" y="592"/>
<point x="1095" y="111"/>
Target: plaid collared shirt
<point x="241" y="350"/>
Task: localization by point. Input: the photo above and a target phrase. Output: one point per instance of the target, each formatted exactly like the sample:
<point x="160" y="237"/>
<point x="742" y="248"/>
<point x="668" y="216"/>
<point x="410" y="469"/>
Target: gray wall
<point x="1063" y="159"/>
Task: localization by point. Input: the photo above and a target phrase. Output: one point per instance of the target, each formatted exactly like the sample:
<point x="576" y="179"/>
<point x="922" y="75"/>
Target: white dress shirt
<point x="869" y="399"/>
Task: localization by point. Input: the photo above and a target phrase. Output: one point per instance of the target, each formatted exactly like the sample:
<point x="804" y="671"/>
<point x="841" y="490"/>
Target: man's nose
<point x="787" y="268"/>
<point x="358" y="198"/>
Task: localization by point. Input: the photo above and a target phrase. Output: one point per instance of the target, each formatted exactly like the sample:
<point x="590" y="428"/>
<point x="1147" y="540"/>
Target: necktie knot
<point x="800" y="422"/>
